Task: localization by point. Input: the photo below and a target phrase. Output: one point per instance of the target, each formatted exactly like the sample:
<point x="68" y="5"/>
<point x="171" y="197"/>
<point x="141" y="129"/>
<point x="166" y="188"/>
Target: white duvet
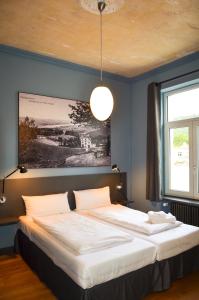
<point x="131" y="219"/>
<point x="93" y="268"/>
<point x="82" y="234"/>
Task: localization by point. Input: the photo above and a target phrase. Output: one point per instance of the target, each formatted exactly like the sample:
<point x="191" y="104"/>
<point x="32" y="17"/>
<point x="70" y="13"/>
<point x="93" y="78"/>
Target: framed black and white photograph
<point x="60" y="133"/>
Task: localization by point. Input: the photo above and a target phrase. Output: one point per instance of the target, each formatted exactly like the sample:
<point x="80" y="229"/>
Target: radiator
<point x="185" y="213"/>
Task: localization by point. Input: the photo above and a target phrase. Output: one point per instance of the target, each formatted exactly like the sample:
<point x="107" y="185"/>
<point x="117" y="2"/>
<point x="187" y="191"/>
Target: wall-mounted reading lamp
<point x="120" y="186"/>
<point x="22" y="170"/>
<point x="115" y="169"/>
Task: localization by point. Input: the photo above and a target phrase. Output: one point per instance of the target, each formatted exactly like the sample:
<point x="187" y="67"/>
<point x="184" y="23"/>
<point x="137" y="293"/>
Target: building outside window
<point x="181" y="141"/>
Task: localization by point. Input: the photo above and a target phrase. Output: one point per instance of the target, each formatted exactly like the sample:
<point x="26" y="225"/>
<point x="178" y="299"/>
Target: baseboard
<point x="7" y="251"/>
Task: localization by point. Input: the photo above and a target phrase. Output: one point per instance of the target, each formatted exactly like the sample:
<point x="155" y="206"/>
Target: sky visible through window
<point x="183" y="105"/>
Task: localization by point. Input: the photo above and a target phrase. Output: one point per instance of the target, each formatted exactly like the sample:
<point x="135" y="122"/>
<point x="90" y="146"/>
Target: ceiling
<point x="141" y="36"/>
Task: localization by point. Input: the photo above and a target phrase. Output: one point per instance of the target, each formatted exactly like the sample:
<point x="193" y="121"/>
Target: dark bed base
<point x="131" y="286"/>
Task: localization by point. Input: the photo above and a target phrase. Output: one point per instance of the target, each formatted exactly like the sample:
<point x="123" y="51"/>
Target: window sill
<point x="181" y="200"/>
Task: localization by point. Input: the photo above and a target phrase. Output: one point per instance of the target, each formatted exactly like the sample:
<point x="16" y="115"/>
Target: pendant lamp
<point x="101" y="100"/>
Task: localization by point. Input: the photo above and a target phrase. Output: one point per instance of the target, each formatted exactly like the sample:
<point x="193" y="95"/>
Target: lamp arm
<point x="3" y="187"/>
<point x="11" y="173"/>
<point x="2" y="197"/>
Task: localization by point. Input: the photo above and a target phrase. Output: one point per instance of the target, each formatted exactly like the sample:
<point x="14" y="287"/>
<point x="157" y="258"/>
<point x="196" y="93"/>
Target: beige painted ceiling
<point x="142" y="35"/>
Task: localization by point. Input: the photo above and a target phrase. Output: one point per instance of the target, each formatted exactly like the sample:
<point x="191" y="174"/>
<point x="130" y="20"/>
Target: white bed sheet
<point x="168" y="243"/>
<point x="173" y="241"/>
<point x="91" y="269"/>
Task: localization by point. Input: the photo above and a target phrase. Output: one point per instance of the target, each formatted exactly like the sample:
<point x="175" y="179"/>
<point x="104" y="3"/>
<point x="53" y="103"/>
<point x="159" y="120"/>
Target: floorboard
<point x="18" y="282"/>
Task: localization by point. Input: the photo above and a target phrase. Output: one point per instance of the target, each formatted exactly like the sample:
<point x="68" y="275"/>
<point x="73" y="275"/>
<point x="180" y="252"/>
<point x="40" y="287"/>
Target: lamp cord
<point x="101" y="46"/>
<point x="101" y="7"/>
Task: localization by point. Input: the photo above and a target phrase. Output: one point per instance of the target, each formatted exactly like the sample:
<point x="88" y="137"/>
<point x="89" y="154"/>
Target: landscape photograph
<point x="60" y="133"/>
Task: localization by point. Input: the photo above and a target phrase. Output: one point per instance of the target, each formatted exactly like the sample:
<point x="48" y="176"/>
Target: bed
<point x="115" y="272"/>
<point x="37" y="248"/>
<point x="32" y="244"/>
<point x="170" y="242"/>
<point x="177" y="244"/>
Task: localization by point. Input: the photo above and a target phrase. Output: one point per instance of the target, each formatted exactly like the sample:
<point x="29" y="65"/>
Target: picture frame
<point x="61" y="133"/>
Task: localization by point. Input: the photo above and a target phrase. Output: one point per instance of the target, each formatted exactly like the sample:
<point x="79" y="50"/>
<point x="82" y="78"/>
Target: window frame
<point x="192" y="124"/>
<point x="196" y="159"/>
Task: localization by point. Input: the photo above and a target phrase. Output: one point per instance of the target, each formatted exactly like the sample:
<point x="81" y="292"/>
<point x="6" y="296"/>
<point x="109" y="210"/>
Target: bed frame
<point x="132" y="286"/>
<point x="127" y="287"/>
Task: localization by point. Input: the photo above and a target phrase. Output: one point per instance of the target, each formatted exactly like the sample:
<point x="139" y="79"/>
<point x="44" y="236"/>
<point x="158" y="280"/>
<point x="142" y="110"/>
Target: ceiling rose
<point x="111" y="6"/>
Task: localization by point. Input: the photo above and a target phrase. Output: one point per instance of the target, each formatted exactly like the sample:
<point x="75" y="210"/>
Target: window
<point x="181" y="141"/>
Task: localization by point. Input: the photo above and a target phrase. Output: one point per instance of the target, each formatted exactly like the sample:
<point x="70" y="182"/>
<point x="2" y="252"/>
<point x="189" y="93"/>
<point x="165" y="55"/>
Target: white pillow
<point x="93" y="198"/>
<point x="46" y="205"/>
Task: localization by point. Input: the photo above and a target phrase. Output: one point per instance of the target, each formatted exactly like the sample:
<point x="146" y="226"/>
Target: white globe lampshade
<point x="101" y="103"/>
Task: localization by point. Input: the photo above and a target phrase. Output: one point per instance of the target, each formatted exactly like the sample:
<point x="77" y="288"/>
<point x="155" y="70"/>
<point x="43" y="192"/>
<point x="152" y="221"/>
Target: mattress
<point x="168" y="243"/>
<point x="94" y="268"/>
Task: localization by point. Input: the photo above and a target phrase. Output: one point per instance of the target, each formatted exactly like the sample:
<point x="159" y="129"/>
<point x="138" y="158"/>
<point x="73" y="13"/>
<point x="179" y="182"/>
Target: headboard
<point x="14" y="188"/>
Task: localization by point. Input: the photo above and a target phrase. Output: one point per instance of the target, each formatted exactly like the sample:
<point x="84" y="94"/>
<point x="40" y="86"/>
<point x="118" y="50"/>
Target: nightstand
<point x="124" y="202"/>
<point x="8" y="220"/>
<point x="128" y="203"/>
<point x="8" y="228"/>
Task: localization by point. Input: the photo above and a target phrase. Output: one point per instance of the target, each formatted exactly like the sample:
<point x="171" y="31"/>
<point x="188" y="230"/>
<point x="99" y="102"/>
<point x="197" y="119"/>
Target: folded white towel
<point x="158" y="217"/>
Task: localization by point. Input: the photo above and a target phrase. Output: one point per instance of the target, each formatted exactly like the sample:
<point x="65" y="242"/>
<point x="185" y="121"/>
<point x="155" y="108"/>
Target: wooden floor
<point x="18" y="282"/>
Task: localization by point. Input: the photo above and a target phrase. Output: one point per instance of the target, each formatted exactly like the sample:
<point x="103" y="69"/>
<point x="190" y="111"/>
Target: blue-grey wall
<point x="139" y="121"/>
<point x="26" y="73"/>
<point x="20" y="71"/>
<point x="7" y="235"/>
